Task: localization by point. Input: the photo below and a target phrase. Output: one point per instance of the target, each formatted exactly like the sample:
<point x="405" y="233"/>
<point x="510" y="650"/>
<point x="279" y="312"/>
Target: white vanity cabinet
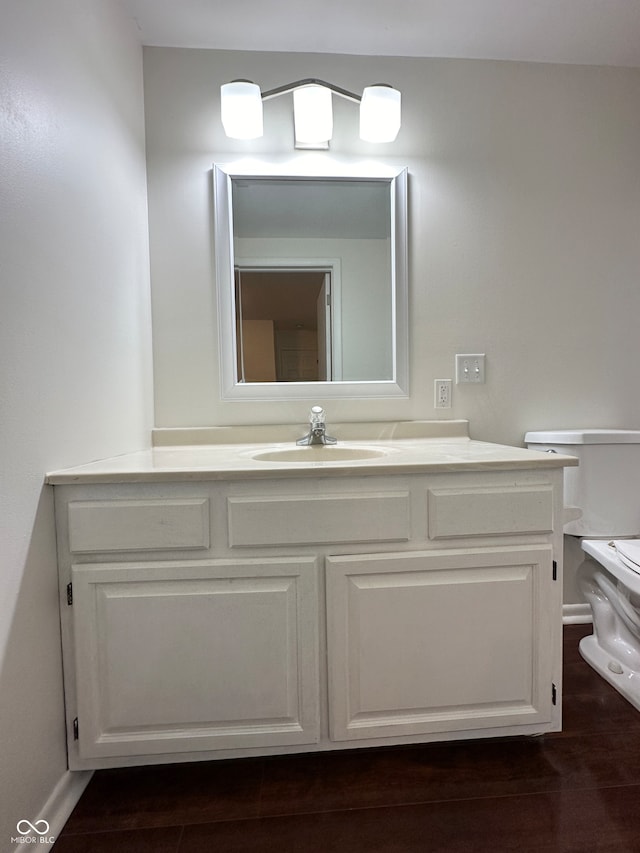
<point x="226" y="617"/>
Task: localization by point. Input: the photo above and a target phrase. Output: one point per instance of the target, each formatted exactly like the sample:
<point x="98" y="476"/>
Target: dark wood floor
<point x="578" y="790"/>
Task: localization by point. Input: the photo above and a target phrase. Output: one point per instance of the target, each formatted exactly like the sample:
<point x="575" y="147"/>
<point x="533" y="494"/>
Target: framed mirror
<point x="311" y="274"/>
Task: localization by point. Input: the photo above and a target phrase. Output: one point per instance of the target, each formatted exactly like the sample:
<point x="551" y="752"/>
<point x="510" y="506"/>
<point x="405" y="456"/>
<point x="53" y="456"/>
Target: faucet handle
<point x="316" y="415"/>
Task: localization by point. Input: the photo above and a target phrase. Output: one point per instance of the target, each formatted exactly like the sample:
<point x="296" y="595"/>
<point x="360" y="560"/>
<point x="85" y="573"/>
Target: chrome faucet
<point x="317" y="429"/>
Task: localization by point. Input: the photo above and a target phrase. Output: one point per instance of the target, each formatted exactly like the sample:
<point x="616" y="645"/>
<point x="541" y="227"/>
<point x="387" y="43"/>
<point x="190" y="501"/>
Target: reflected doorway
<point x="284" y="324"/>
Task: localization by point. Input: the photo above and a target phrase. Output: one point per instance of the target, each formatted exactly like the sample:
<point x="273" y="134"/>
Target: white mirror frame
<point x="230" y="388"/>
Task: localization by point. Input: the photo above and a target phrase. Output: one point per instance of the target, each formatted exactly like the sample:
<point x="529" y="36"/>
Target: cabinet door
<point x="439" y="641"/>
<point x="195" y="655"/>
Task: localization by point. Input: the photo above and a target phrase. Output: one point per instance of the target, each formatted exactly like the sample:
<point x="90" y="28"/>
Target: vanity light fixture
<point x="241" y="110"/>
<point x="313" y="115"/>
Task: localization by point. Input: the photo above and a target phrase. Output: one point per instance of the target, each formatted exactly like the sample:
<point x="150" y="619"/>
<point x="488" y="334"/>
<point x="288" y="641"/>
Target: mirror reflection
<point x="283" y="319"/>
<point x="313" y="279"/>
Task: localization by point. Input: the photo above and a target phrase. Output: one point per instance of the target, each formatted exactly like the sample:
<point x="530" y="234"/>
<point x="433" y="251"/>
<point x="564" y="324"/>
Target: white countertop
<point x="232" y="461"/>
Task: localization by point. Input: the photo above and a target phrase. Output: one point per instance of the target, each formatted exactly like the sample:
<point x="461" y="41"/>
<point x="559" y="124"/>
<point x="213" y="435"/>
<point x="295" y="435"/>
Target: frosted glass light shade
<point x="241" y="109"/>
<point x="379" y="114"/>
<point x="313" y="114"/>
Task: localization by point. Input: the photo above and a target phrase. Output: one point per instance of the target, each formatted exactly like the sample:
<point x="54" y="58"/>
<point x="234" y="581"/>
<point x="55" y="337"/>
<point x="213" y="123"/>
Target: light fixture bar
<point x="311" y="81"/>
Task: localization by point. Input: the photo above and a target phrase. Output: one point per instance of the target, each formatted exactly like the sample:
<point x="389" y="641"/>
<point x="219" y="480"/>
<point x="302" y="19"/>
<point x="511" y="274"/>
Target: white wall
<point x="524" y="211"/>
<point x="74" y="335"/>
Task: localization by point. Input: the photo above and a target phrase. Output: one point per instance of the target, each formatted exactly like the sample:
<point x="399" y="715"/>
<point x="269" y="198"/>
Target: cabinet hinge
<point x="554" y="694"/>
<point x="69" y="593"/>
<point x="555" y="571"/>
<point x="75" y="729"/>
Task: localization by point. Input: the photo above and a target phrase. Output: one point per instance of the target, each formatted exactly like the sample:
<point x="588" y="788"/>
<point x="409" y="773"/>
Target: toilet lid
<point x="629" y="552"/>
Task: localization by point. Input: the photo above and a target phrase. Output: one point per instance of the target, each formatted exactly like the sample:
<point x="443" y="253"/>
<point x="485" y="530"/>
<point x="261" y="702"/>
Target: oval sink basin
<point x="320" y="453"/>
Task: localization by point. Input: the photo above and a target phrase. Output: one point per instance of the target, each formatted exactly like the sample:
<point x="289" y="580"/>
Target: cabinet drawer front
<point x="490" y="510"/>
<point x="308" y="520"/>
<point x="138" y="525"/>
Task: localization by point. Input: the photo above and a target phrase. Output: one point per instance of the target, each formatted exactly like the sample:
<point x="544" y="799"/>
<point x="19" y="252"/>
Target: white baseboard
<point x="576" y="614"/>
<point x="58" y="807"/>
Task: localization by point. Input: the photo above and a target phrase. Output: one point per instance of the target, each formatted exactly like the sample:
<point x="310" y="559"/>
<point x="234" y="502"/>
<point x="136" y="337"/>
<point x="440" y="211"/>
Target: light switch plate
<point x="470" y="368"/>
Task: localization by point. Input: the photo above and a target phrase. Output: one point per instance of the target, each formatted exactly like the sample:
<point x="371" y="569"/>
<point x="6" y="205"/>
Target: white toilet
<point x="602" y="499"/>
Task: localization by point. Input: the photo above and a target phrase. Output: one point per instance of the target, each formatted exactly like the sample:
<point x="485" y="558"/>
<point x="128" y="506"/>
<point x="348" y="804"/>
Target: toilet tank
<point x="606" y="483"/>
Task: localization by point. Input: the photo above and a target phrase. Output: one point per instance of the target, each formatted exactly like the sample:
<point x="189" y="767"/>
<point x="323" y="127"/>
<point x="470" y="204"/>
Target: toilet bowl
<point x="605" y="500"/>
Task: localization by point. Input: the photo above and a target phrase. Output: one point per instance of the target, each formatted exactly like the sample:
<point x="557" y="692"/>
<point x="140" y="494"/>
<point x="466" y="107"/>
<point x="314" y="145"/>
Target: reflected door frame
<point x="332" y="288"/>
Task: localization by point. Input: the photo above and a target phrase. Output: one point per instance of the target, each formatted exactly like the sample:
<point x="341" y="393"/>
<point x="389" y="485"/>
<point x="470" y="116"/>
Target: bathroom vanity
<point x="236" y="598"/>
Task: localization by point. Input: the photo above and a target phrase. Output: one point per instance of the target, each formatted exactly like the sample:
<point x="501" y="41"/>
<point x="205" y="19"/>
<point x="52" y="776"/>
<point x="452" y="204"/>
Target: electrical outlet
<point x="470" y="369"/>
<point x="442" y="393"/>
